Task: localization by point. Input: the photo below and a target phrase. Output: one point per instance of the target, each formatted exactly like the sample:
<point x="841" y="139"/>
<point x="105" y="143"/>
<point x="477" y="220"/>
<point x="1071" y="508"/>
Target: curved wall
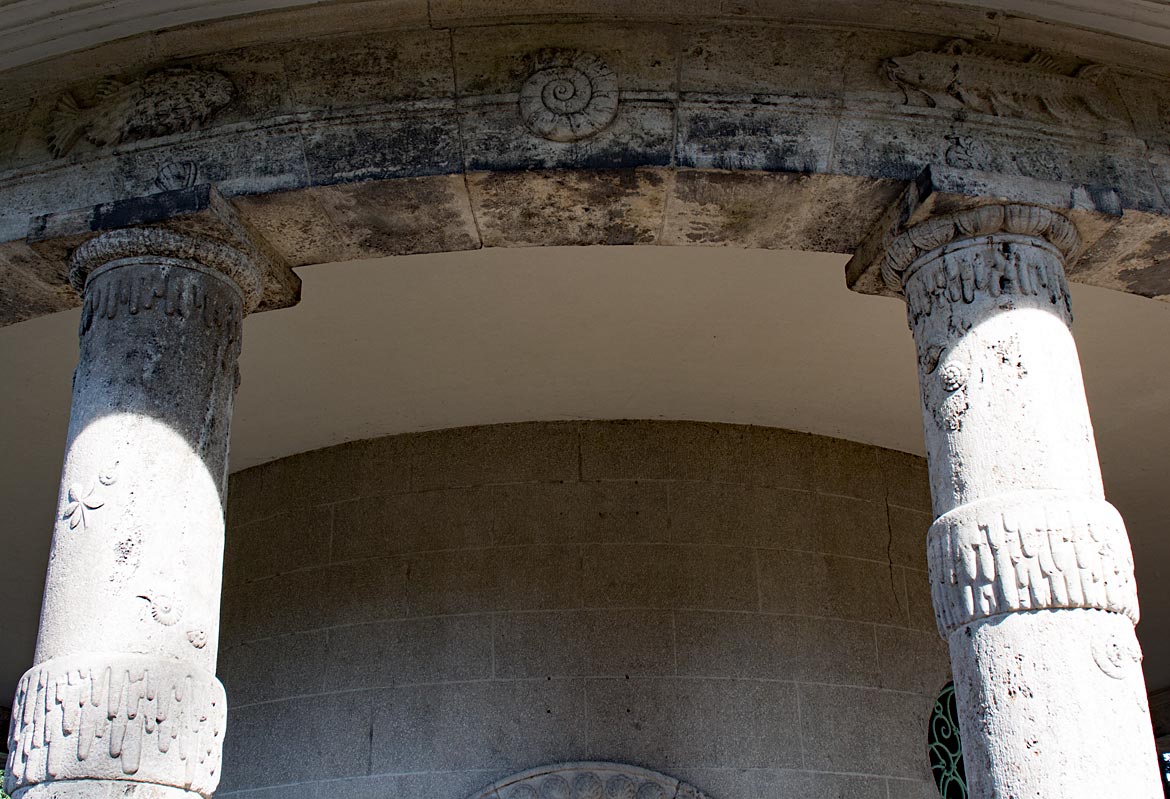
<point x="739" y="607"/>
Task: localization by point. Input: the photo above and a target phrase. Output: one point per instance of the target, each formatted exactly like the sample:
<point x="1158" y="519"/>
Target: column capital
<point x="196" y="225"/>
<point x="916" y="222"/>
<point x="162" y="243"/>
<point x="934" y="237"/>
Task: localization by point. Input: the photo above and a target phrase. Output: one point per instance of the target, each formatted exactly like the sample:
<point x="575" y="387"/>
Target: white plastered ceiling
<point x="427" y="342"/>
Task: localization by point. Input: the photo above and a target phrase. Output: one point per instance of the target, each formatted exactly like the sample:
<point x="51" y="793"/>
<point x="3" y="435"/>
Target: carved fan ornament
<point x="160" y="104"/>
<point x="589" y="781"/>
<point x="960" y="76"/>
<point x="571" y="96"/>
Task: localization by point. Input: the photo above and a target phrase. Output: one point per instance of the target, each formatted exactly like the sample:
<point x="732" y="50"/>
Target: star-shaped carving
<point x="79" y="504"/>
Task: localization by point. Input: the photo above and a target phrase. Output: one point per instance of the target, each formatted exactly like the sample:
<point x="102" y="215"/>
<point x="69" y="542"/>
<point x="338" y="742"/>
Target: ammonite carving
<point x="572" y="96"/>
<point x="1116" y="656"/>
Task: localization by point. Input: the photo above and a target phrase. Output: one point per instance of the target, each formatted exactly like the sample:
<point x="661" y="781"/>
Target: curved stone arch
<point x="601" y="130"/>
<point x="589" y="780"/>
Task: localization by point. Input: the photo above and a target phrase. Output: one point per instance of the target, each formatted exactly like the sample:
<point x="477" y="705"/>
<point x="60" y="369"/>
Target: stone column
<point x="1030" y="567"/>
<point x="123" y="698"/>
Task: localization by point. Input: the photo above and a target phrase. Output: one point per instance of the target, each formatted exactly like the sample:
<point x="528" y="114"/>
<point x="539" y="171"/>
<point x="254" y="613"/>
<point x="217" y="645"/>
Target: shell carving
<point x="1116" y="657"/>
<point x="572" y="96"/>
<point x="161" y="104"/>
<point x="163" y="608"/>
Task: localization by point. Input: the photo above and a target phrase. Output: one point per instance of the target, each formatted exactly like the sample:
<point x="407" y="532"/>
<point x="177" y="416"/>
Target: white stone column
<point x="123" y="699"/>
<point x="1030" y="567"/>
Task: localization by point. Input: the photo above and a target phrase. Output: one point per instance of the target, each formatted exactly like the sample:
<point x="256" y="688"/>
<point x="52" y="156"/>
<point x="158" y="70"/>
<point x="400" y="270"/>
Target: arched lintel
<point x="600" y="131"/>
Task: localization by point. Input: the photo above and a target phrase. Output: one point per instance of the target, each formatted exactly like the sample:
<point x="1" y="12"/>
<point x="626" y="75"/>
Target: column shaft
<point x="1031" y="570"/>
<point x="123" y="695"/>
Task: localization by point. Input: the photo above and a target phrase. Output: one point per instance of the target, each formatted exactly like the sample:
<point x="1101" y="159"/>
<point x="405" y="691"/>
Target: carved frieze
<point x="960" y="76"/>
<point x="1031" y="551"/>
<point x="160" y="104"/>
<point x="589" y="781"/>
<point x="571" y="96"/>
<point x="123" y="717"/>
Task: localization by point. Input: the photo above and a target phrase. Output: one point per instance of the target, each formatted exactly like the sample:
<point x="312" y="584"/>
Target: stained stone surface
<point x="467" y="604"/>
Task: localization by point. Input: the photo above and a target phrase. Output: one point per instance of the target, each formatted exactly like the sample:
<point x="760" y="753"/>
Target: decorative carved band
<point x="905" y="253"/>
<point x="117" y="717"/>
<point x="1039" y="550"/>
<point x="162" y="243"/>
<point x="179" y="292"/>
<point x="1011" y="265"/>
<point x="589" y="781"/>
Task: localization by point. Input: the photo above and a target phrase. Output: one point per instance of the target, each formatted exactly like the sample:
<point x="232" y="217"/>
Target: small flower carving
<point x="80" y="503"/>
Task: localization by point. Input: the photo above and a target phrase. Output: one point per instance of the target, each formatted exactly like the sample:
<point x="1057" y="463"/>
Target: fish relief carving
<point x="960" y="77"/>
<point x="161" y="104"/>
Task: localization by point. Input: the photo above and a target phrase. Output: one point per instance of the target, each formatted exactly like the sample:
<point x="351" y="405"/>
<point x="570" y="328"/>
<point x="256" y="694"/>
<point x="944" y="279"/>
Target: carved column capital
<point x="134" y="244"/>
<point x="927" y="240"/>
<point x="957" y="257"/>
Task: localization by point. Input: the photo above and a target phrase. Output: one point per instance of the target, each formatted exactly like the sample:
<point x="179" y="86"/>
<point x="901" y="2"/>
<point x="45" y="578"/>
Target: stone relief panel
<point x="963" y="77"/>
<point x="589" y="781"/>
<point x="162" y="103"/>
<point x="571" y="97"/>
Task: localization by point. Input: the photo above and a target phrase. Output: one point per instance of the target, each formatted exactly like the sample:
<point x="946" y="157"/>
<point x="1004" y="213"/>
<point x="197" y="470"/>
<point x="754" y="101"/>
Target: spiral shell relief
<point x="574" y="96"/>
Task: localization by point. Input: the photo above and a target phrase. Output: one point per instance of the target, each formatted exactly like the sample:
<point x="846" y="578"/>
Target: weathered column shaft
<point x="1030" y="567"/>
<point x="123" y="690"/>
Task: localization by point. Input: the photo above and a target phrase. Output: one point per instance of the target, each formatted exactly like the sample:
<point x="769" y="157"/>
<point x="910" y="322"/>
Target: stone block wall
<point x="743" y="608"/>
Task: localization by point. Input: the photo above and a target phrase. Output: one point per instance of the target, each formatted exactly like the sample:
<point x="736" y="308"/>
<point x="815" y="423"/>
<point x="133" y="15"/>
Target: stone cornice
<point x="62" y="26"/>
